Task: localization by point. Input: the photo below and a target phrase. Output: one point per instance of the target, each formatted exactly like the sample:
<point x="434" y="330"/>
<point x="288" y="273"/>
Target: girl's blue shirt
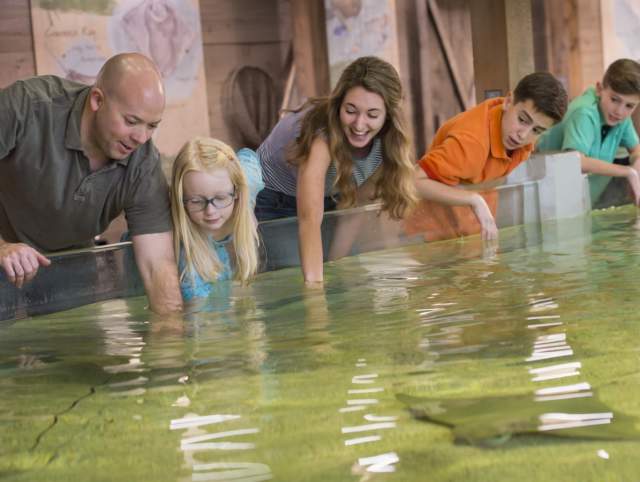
<point x="192" y="285"/>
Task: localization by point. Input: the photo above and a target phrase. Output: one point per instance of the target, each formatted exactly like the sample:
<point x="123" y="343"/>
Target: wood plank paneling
<point x="590" y="43"/>
<point x="574" y="46"/>
<point x="412" y="51"/>
<point x="240" y="21"/>
<point x="17" y="59"/>
<point x="519" y="39"/>
<point x="502" y="44"/>
<point x="489" y="63"/>
<point x="446" y="45"/>
<point x="424" y="71"/>
<point x="220" y="61"/>
<point x="540" y="37"/>
<point x="444" y="99"/>
<point x="310" y="52"/>
<point x="15" y="66"/>
<point x="241" y="33"/>
<point x="15" y="26"/>
<point x="456" y="16"/>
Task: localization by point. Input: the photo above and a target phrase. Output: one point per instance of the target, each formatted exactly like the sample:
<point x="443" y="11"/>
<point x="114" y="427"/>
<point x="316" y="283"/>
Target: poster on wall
<point x="620" y="29"/>
<point x="73" y="39"/>
<point x="356" y="28"/>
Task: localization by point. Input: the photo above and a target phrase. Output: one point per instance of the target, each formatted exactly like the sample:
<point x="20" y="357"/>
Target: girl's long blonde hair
<point x="395" y="184"/>
<point x="204" y="154"/>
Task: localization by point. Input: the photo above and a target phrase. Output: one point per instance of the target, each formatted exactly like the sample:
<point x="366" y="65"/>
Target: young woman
<point x="339" y="151"/>
<point x="213" y="193"/>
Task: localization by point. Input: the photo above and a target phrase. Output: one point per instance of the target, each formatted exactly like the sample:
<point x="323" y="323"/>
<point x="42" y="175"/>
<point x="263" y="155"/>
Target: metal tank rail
<point x="547" y="187"/>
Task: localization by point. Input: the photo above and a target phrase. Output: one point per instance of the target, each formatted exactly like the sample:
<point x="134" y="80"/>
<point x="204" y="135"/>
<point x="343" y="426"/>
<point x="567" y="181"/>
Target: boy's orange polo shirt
<point x="467" y="149"/>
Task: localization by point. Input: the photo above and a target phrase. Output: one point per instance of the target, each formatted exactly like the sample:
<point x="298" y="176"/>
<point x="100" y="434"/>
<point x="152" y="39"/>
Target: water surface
<point x="524" y="362"/>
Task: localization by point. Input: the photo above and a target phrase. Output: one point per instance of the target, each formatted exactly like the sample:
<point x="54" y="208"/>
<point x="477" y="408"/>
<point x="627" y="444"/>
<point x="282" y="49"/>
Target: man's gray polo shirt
<point x="49" y="198"/>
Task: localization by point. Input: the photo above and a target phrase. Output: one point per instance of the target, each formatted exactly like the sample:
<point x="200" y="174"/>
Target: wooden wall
<point x="16" y="43"/>
<point x="235" y="33"/>
<point x="455" y="21"/>
<point x="571" y="38"/>
<point x="425" y="68"/>
<point x="567" y="41"/>
<point x="502" y="45"/>
<point x="259" y="32"/>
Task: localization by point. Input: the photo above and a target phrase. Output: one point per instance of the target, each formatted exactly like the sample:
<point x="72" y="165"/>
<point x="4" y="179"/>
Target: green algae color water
<point x="440" y="362"/>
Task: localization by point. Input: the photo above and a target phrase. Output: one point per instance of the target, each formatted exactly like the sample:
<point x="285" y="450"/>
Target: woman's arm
<point x="310" y="204"/>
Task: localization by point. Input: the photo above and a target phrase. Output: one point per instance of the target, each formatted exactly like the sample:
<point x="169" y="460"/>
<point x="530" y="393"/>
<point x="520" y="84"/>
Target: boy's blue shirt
<point x="581" y="130"/>
<point x="192" y="285"/>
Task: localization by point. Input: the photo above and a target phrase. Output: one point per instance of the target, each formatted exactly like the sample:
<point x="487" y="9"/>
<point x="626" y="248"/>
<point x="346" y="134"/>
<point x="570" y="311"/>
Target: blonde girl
<point x="213" y="193"/>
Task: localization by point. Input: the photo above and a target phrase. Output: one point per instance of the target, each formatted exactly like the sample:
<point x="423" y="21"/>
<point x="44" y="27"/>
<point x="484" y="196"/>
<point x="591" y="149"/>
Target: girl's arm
<point x="310" y="204"/>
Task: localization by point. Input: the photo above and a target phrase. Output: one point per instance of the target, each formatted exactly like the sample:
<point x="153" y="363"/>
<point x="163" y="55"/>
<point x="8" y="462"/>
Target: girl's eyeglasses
<point x="200" y="203"/>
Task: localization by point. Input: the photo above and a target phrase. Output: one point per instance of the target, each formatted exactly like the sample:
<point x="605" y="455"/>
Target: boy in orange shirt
<point x="485" y="143"/>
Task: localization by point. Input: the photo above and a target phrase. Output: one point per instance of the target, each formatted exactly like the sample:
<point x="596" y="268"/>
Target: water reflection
<point x="362" y="432"/>
<point x="452" y="332"/>
<point x="517" y="350"/>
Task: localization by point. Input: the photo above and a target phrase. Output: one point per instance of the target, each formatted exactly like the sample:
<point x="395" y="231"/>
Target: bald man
<point x="72" y="157"/>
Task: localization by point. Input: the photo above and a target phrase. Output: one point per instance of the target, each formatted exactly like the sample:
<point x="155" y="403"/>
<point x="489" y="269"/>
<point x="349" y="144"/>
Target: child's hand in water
<point x="485" y="218"/>
<point x="634" y="182"/>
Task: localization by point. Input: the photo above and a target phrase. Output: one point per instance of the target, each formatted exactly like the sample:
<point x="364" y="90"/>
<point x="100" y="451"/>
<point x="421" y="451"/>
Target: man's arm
<point x="20" y="262"/>
<point x="451" y="196"/>
<point x="157" y="266"/>
<point x="602" y="168"/>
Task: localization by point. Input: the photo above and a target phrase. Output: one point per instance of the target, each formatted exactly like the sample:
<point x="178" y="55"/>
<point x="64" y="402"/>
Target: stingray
<point x="492" y="421"/>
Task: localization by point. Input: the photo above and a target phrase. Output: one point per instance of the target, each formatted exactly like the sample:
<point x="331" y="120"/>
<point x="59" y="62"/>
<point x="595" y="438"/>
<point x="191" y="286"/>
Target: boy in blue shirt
<point x="599" y="122"/>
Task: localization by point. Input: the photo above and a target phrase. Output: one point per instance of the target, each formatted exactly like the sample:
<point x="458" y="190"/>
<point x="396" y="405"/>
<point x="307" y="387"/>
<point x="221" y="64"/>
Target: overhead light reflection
<point x="369" y="426"/>
<point x="559" y="421"/>
<point x="354" y="408"/>
<point x="379" y="418"/>
<point x="362" y="401"/>
<point x="553" y="372"/>
<point x="576" y="387"/>
<point x="566" y="396"/>
<point x="544" y="325"/>
<point x="363" y="379"/>
<point x="353" y="391"/>
<point x="380" y="463"/>
<point x="362" y="440"/>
